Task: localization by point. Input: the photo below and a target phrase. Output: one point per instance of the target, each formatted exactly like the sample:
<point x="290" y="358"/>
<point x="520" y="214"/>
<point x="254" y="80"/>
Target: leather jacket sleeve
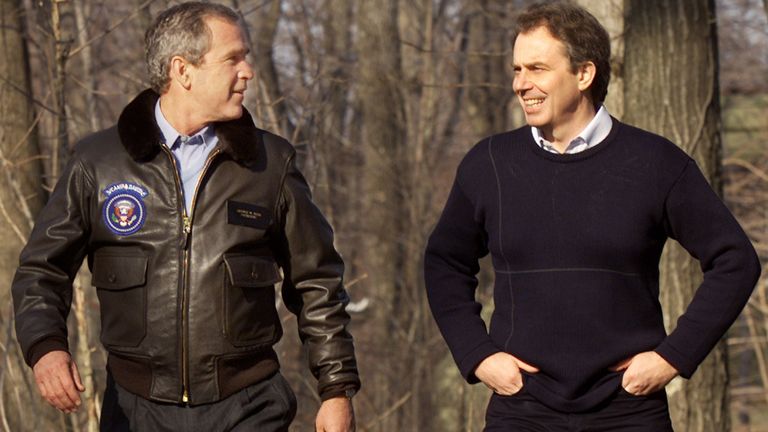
<point x="313" y="285"/>
<point x="42" y="286"/>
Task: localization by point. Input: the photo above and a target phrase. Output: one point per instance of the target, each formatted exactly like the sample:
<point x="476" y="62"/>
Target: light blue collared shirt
<point x="190" y="153"/>
<point x="595" y="132"/>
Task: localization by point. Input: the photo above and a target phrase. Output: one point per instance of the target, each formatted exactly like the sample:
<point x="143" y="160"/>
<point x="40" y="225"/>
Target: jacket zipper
<point x="187" y="230"/>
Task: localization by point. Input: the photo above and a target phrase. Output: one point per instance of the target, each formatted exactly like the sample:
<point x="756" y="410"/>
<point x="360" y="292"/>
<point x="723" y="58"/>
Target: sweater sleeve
<point x="450" y="269"/>
<point x="697" y="218"/>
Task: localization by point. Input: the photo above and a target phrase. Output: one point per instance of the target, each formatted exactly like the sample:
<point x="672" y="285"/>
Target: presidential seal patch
<point x="124" y="210"/>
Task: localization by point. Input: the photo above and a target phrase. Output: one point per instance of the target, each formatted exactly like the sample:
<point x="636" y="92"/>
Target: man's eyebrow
<point x="529" y="65"/>
<point x="237" y="52"/>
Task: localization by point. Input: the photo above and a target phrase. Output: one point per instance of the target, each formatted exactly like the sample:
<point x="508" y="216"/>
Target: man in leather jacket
<point x="186" y="212"/>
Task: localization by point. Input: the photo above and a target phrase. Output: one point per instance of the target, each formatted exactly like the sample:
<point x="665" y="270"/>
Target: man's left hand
<point x="336" y="415"/>
<point x="645" y="373"/>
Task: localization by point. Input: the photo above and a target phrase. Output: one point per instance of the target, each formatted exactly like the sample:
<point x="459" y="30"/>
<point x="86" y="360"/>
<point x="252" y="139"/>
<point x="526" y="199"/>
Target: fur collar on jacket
<point x="141" y="136"/>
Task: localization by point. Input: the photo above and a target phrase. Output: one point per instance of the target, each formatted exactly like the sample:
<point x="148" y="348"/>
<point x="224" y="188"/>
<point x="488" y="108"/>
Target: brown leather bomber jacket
<point x="187" y="301"/>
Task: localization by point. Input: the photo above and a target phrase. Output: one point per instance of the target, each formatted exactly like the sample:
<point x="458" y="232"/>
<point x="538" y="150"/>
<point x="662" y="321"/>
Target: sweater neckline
<point x="567" y="158"/>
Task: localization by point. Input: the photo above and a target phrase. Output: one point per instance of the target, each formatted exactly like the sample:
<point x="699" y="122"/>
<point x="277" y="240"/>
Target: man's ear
<point x="180" y="72"/>
<point x="586" y="74"/>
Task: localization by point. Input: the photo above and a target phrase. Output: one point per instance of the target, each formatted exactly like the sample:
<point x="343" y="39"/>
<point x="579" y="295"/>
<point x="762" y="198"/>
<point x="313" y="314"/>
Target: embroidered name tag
<point x="249" y="215"/>
<point x="124" y="211"/>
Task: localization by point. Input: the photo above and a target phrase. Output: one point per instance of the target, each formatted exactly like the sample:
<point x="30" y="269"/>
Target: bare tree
<point x="671" y="88"/>
<point x="266" y="18"/>
<point x="488" y="65"/>
<point x="381" y="103"/>
<point x="62" y="43"/>
<point x="611" y="15"/>
<point x="765" y="7"/>
<point x="21" y="196"/>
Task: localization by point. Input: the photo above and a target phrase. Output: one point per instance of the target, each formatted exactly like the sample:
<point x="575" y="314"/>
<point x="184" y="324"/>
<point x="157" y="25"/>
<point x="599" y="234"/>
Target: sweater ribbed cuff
<point x="471" y="360"/>
<point x="684" y="366"/>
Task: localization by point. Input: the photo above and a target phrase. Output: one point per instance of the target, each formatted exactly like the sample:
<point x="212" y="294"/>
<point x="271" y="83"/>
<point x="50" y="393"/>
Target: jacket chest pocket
<point x="120" y="281"/>
<point x="250" y="317"/>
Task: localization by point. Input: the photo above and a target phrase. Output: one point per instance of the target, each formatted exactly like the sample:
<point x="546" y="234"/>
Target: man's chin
<point x="537" y="120"/>
<point x="533" y="122"/>
<point x="233" y="113"/>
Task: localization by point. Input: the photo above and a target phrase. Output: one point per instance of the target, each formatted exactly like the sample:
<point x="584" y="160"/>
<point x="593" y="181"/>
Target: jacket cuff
<point x="339" y="389"/>
<point x="680" y="362"/>
<point x="43" y="347"/>
<point x="469" y="363"/>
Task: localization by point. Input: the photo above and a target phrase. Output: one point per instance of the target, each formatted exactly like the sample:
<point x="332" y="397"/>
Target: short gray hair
<point x="180" y="31"/>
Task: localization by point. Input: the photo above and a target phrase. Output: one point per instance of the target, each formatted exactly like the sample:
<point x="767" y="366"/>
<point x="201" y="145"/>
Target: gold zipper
<point x="187" y="230"/>
<point x="208" y="161"/>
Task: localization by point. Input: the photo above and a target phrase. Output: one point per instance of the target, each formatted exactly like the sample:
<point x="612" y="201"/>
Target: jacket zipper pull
<point x="187" y="230"/>
<point x="185" y="396"/>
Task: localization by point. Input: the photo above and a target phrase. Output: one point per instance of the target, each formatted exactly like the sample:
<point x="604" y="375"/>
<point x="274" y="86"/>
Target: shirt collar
<point x="171" y="135"/>
<point x="595" y="132"/>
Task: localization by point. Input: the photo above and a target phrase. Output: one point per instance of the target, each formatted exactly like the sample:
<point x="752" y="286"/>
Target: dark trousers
<point x="266" y="406"/>
<point x="623" y="413"/>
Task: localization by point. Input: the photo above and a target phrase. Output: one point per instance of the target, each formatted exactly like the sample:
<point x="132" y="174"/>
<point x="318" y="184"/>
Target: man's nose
<point x="520" y="82"/>
<point x="246" y="71"/>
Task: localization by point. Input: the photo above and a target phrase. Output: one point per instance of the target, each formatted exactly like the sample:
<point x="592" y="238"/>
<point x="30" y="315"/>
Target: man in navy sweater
<point x="575" y="209"/>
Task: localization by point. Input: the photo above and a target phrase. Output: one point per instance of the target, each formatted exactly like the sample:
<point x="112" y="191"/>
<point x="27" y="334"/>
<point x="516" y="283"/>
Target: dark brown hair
<point x="585" y="39"/>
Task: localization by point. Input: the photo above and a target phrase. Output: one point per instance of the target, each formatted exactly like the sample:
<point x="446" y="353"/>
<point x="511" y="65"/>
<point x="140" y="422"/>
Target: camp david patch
<point x="124" y="211"/>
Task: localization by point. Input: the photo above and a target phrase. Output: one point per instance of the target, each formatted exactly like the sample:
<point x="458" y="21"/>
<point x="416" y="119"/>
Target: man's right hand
<point x="501" y="373"/>
<point x="59" y="381"/>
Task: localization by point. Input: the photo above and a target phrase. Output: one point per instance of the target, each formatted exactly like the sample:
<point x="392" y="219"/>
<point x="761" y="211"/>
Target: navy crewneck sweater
<point x="575" y="242"/>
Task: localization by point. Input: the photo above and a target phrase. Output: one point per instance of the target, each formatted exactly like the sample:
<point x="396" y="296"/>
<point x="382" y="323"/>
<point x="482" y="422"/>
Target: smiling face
<point x="217" y="84"/>
<point x="554" y="98"/>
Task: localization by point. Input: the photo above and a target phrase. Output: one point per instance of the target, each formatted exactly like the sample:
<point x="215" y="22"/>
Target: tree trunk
<point x="488" y="70"/>
<point x="610" y="13"/>
<point x="423" y="109"/>
<point x="671" y="88"/>
<point x="265" y="25"/>
<point x="21" y="196"/>
<point x="20" y="193"/>
<point x="380" y="70"/>
<point x="765" y="7"/>
<point x="81" y="9"/>
<point x="333" y="190"/>
<point x="62" y="41"/>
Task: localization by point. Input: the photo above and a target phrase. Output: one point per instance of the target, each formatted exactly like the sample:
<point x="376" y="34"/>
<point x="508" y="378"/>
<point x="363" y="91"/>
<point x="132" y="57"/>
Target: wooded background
<point x="381" y="99"/>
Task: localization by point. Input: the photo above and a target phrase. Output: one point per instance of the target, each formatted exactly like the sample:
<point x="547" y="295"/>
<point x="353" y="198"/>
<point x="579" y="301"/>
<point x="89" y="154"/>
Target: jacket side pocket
<point x="120" y="278"/>
<point x="250" y="317"/>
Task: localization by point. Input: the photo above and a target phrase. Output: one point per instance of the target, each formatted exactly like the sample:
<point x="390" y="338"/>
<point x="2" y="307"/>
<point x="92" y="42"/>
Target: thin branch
<point x="111" y="28"/>
<point x="395" y="406"/>
<point x="13" y="225"/>
<point x="6" y="347"/>
<point x="7" y="166"/>
<point x="744" y="164"/>
<point x="475" y="85"/>
<point x="24" y="92"/>
<point x="455" y="52"/>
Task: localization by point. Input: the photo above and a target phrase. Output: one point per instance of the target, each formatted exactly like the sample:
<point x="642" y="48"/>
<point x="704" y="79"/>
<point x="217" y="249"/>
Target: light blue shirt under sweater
<point x="595" y="132"/>
<point x="190" y="153"/>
